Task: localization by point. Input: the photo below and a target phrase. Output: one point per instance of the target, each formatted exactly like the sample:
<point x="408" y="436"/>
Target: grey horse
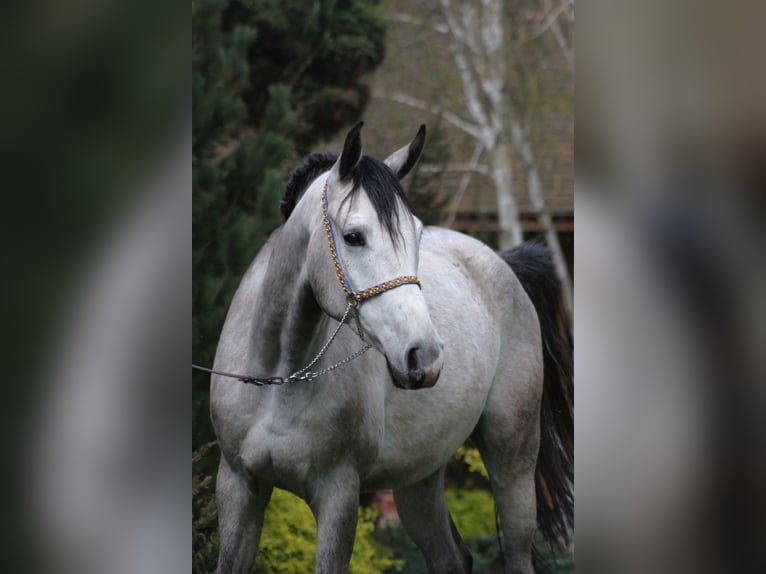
<point x="457" y="351"/>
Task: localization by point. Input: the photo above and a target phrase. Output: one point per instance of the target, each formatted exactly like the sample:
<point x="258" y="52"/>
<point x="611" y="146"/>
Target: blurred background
<point x="273" y="81"/>
<point x="671" y="149"/>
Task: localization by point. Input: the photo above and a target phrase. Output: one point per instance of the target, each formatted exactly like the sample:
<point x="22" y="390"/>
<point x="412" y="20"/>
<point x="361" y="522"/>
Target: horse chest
<point x="296" y="445"/>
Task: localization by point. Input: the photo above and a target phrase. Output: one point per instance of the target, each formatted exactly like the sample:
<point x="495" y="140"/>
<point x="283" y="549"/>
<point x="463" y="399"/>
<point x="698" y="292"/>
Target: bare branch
<point x="405" y="99"/>
<point x="413" y="21"/>
<point x="536" y="195"/>
<point x="551" y="17"/>
<point x="566" y="48"/>
<point x="551" y="22"/>
<point x="466" y="168"/>
<point x="461" y="43"/>
<point x="464" y="181"/>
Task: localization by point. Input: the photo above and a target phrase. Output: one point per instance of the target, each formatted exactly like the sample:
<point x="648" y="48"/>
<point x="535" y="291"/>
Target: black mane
<point x="375" y="177"/>
<point x="300" y="179"/>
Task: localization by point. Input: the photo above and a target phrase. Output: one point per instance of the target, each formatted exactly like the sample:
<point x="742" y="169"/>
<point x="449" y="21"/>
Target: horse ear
<point x="352" y="153"/>
<point x="403" y="160"/>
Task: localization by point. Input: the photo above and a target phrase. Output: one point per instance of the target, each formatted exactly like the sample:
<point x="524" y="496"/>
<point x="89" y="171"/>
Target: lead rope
<point x="354" y="299"/>
<point x="303" y="374"/>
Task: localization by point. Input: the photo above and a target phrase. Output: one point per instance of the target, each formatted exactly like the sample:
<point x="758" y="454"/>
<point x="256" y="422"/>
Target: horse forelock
<point x="379" y="183"/>
<point x="383" y="190"/>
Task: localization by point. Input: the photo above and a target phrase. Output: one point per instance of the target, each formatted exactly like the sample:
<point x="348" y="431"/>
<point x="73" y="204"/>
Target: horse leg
<point x="241" y="506"/>
<point x="425" y="517"/>
<point x="336" y="507"/>
<point x="511" y="468"/>
<point x="508" y="438"/>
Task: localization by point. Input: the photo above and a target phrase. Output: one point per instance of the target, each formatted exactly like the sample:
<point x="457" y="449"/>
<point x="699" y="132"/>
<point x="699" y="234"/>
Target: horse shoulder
<point x="227" y="396"/>
<point x="235" y="334"/>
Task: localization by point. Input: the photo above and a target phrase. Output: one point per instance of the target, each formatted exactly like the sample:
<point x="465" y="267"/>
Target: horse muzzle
<point x="423" y="367"/>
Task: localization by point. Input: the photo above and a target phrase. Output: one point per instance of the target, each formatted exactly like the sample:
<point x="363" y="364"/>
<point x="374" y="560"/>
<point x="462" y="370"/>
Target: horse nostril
<point x="412" y="360"/>
<point x="423" y="366"/>
<point x="415" y="372"/>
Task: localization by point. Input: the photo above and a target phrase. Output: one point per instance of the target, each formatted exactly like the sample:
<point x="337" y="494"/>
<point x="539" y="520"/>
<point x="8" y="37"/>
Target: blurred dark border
<point x="95" y="112"/>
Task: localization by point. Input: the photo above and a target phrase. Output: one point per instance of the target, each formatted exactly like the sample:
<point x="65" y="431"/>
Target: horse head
<point x="369" y="254"/>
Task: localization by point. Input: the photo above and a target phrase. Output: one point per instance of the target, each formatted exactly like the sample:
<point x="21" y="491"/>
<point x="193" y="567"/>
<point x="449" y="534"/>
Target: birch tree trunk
<point x="507" y="210"/>
<point x="489" y="50"/>
<point x="537" y="199"/>
<point x="477" y="41"/>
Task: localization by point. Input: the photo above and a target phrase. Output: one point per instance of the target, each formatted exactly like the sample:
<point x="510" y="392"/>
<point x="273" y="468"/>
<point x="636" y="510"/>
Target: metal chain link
<point x="304" y="374"/>
<point x="313" y="375"/>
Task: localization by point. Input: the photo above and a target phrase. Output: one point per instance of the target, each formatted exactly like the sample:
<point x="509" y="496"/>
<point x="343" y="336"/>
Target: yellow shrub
<point x="471" y="457"/>
<point x="288" y="540"/>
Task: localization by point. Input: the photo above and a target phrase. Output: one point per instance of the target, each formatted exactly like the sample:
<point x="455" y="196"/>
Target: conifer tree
<point x="270" y="78"/>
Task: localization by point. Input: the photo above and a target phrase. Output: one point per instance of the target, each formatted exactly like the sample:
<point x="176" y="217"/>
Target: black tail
<point x="533" y="264"/>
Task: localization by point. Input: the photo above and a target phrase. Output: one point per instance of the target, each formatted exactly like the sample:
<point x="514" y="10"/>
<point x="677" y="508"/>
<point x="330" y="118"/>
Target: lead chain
<point x="303" y="375"/>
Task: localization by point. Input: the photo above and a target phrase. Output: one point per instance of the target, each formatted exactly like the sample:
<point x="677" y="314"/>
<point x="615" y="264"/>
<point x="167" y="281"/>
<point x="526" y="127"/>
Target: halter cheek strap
<point x="363" y="294"/>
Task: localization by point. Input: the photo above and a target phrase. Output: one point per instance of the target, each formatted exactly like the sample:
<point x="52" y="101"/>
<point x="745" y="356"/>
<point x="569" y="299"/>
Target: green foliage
<point x="204" y="515"/>
<point x="269" y="78"/>
<point x="473" y="512"/>
<point x="471" y="457"/>
<point x="288" y="540"/>
<point x="370" y="557"/>
<point x="322" y="50"/>
<point x="287" y="543"/>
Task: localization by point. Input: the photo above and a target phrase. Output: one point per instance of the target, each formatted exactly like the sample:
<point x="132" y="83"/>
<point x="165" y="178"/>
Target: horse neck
<point x="288" y="323"/>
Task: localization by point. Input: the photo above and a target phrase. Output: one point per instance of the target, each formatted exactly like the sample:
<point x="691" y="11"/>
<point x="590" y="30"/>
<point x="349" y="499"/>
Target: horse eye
<point x="354" y="238"/>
